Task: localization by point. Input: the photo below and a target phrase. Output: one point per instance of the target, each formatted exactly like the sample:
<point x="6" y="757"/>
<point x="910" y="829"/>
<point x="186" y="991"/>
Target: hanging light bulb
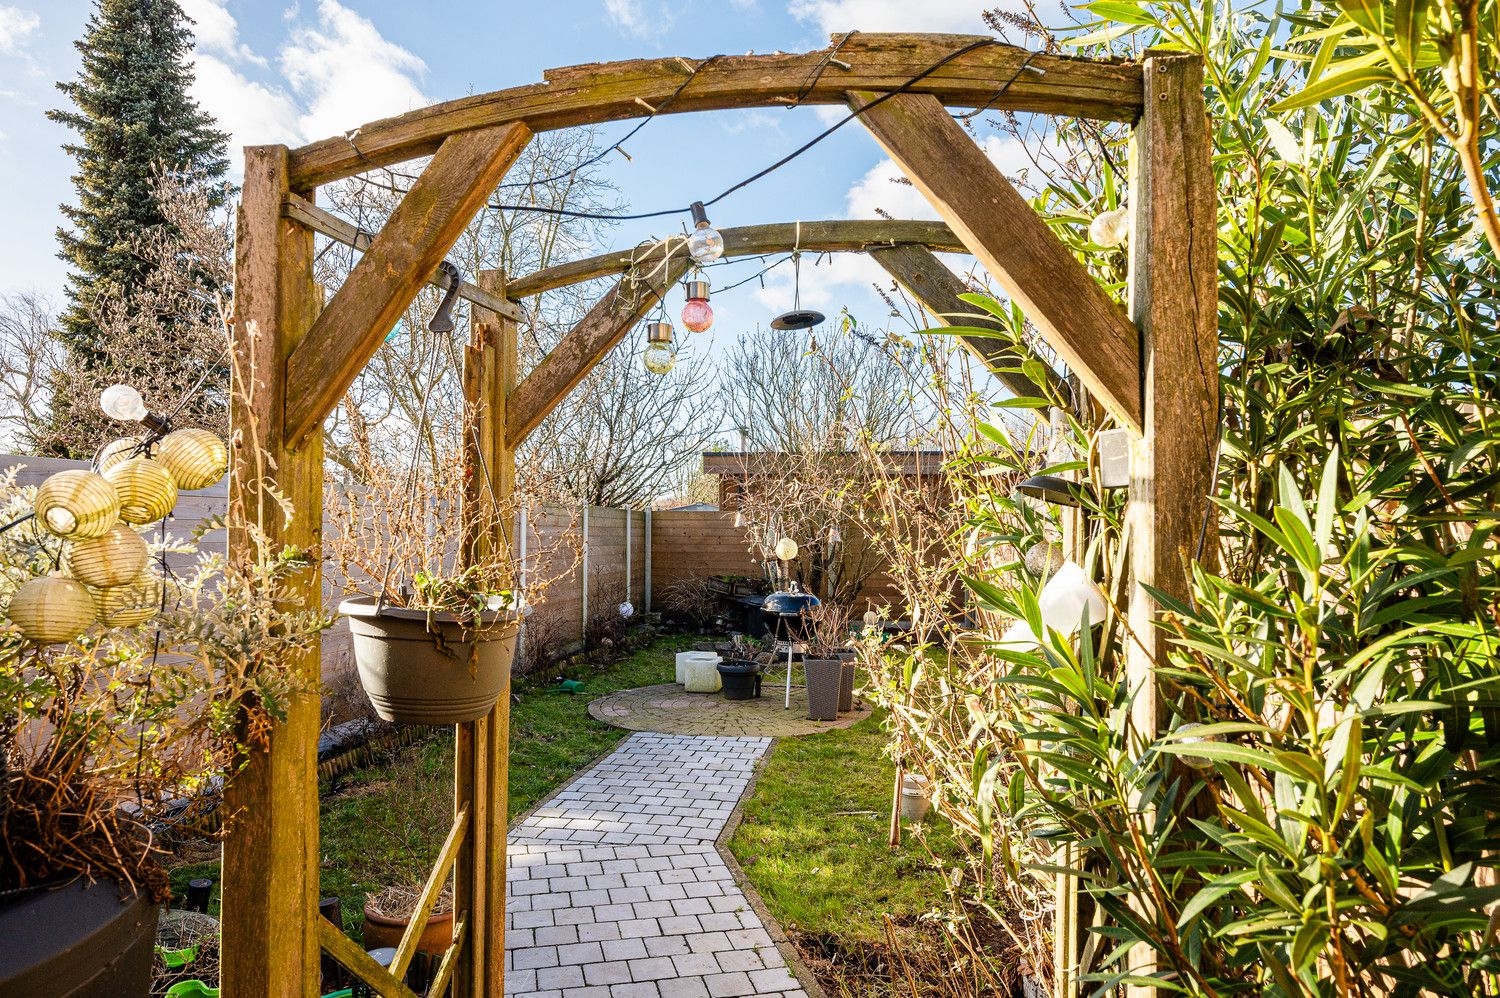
<point x="739" y="519"/>
<point x="697" y="315"/>
<point x="124" y="403"/>
<point x="1109" y="228"/>
<point x="704" y="244"/>
<point x="660" y="354"/>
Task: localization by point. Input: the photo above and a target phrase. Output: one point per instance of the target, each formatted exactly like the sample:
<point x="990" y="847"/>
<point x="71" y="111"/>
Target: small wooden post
<point x="270" y="887"/>
<point x="489" y="378"/>
<point x="1174" y="301"/>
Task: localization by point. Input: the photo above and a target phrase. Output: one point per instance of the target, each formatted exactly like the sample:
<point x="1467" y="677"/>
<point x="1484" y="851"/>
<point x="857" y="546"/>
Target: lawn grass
<point x="384" y="823"/>
<point x="814" y="837"/>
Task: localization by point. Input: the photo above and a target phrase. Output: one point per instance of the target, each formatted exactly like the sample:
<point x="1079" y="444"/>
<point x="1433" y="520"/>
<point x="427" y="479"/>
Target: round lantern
<point x="108" y="561"/>
<point x="660" y="355"/>
<point x="75" y="504"/>
<point x="132" y="604"/>
<point x="51" y="609"/>
<point x="196" y="458"/>
<point x="786" y="549"/>
<point x="697" y="314"/>
<point x="146" y="489"/>
<point x="119" y="450"/>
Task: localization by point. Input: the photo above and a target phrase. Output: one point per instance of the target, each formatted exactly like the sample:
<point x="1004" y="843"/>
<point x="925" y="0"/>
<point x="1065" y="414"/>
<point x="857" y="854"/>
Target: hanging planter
<point x="448" y="674"/>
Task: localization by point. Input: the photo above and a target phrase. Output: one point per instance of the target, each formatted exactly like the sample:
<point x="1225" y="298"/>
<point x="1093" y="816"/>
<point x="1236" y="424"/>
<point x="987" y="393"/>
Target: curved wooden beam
<point x="600" y="92"/>
<point x="834" y="236"/>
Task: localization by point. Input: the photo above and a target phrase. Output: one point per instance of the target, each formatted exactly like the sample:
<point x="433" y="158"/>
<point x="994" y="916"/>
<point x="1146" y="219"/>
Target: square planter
<point x="824" y="676"/>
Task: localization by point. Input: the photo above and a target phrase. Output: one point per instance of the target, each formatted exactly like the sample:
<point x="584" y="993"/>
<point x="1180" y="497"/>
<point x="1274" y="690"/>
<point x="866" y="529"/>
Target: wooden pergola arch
<point x="1152" y="365"/>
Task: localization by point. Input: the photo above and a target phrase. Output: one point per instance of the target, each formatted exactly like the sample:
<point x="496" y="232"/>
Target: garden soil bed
<point x="917" y="960"/>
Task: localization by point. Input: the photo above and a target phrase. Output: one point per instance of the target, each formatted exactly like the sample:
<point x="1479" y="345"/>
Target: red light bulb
<point x="696" y="314"/>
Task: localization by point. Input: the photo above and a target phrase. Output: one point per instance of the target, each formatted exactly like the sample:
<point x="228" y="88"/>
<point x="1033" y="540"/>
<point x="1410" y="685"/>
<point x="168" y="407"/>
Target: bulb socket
<point x="659" y="332"/>
<point x="700" y="214"/>
<point x="697" y="289"/>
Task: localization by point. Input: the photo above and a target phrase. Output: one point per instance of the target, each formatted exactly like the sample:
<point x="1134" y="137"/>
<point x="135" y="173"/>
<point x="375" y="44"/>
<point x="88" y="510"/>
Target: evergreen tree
<point x="134" y="119"/>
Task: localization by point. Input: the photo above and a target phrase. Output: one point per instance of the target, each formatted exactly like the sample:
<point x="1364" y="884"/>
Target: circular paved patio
<point x="670" y="710"/>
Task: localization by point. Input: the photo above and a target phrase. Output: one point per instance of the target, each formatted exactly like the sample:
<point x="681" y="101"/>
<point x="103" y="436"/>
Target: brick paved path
<point x="616" y="889"/>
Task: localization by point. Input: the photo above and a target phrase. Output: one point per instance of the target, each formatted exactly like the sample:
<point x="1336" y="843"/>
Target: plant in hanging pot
<point x="437" y="608"/>
<point x="827" y="636"/>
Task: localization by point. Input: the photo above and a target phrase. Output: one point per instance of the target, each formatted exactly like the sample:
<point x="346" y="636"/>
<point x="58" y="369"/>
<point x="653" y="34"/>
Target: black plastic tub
<point x="741" y="680"/>
<point x="78" y="941"/>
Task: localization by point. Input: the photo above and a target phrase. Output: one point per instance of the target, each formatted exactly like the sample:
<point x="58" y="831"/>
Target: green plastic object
<point x="176" y="959"/>
<point x="192" y="989"/>
<point x="571" y="686"/>
<point x="340" y="993"/>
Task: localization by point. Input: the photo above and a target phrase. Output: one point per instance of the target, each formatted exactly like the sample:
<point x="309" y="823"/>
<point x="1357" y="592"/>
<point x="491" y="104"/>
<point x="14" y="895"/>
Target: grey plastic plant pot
<point x="78" y="941"/>
<point x="824" y="676"/>
<point x="415" y="677"/>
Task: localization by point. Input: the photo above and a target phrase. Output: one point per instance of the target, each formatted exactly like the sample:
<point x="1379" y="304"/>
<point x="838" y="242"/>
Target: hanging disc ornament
<point x="132" y="604"/>
<point x="75" y="504"/>
<point x="196" y="458"/>
<point x="146" y="489"/>
<point x="51" y="609"/>
<point x="119" y="450"/>
<point x="111" y="560"/>
<point x="798" y="317"/>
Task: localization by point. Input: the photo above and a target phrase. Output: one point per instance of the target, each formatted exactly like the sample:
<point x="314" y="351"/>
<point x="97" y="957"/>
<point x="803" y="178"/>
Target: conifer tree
<point x="134" y="118"/>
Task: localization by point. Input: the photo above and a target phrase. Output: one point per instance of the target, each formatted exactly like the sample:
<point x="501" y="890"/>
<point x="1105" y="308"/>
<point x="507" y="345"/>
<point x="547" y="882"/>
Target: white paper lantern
<point x="51" y="609"/>
<point x="118" y="450"/>
<point x="786" y="549"/>
<point x="146" y="489"/>
<point x="196" y="458"/>
<point x="132" y="604"/>
<point x="105" y="562"/>
<point x="74" y="504"/>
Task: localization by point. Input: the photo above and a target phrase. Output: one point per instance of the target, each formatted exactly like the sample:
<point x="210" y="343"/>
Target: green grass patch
<point x="384" y="823"/>
<point x="814" y="839"/>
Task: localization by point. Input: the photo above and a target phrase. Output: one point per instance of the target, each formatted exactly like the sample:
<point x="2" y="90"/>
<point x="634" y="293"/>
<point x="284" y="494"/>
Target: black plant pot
<point x="79" y="941"/>
<point x="741" y="680"/>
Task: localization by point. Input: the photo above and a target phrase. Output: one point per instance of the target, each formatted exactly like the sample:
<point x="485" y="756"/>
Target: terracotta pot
<point x="413" y="677"/>
<point x="79" y="941"/>
<point x="381" y="930"/>
<point x="823" y="678"/>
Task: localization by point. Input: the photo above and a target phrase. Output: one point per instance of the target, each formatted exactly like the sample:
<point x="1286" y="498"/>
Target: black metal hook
<point x="442" y="319"/>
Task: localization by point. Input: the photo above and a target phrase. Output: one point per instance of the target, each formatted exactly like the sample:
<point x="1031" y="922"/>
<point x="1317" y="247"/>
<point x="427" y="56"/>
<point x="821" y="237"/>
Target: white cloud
<point x="346" y="73"/>
<point x="880" y="188"/>
<point x="252" y="113"/>
<point x="16" y="27"/>
<point x="837" y="16"/>
<point x="640" y="18"/>
<point x="216" y="30"/>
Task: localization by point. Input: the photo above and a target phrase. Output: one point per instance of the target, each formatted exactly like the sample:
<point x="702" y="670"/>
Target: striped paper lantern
<point x="77" y="504"/>
<point x="146" y="489"/>
<point x="196" y="458"/>
<point x="132" y="604"/>
<point x="51" y="609"/>
<point x="119" y="450"/>
<point x="111" y="560"/>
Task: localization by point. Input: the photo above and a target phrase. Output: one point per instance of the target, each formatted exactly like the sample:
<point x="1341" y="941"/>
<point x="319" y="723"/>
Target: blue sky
<point x="278" y="72"/>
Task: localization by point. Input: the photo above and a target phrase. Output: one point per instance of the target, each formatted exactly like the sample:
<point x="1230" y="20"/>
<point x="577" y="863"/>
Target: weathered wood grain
<point x="416" y="237"/>
<point x="270" y="885"/>
<point x="937" y="288"/>
<point x="340" y="230"/>
<point x="437" y="878"/>
<point x="352" y="957"/>
<point x="600" y="92"/>
<point x="1087" y="328"/>
<point x="570" y="361"/>
<point x="829" y="236"/>
<point x="1174" y="300"/>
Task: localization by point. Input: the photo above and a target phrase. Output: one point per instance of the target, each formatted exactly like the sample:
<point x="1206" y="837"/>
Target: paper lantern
<point x="196" y="458"/>
<point x="786" y="549"/>
<point x="75" y="504"/>
<point x="146" y="489"/>
<point x="51" y="609"/>
<point x="132" y="604"/>
<point x="119" y="450"/>
<point x="108" y="561"/>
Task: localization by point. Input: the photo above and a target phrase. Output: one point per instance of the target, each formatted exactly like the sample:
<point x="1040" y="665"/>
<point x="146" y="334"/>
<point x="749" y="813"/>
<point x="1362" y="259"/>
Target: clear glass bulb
<point x="704" y="244"/>
<point x="123" y="403"/>
<point x="659" y="358"/>
<point x="1109" y="228"/>
<point x="697" y="315"/>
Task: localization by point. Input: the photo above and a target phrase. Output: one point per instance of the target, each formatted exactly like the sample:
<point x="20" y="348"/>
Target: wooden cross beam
<point x="585" y="345"/>
<point x="1082" y="323"/>
<point x="930" y="282"/>
<point x="419" y="233"/>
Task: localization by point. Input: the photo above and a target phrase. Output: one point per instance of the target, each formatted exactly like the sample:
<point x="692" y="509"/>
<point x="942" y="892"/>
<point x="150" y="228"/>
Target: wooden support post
<point x="585" y="345"/>
<point x="401" y="259"/>
<point x="489" y="380"/>
<point x="1078" y="318"/>
<point x="937" y="288"/>
<point x="270" y="885"/>
<point x="1174" y="301"/>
